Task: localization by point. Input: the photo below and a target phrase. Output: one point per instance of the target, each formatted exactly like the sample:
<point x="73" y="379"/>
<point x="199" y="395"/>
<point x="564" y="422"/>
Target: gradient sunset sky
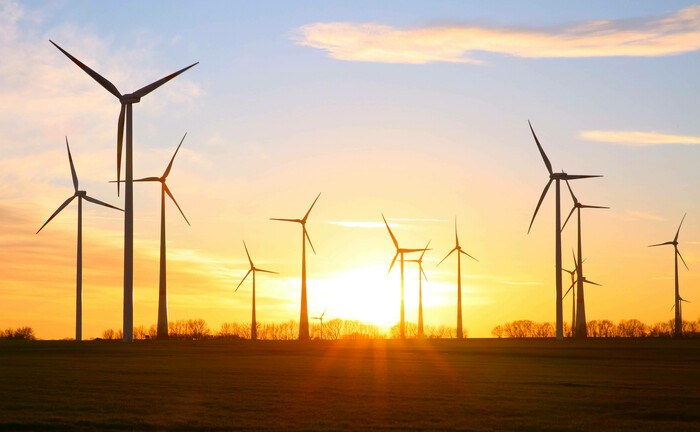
<point x="415" y="109"/>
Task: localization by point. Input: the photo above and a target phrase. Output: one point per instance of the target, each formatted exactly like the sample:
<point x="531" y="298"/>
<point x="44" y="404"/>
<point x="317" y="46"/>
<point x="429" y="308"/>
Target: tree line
<point x="21" y="333"/>
<point x="632" y="328"/>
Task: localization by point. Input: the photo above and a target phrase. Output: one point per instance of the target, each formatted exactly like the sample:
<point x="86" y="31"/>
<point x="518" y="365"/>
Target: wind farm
<point x="413" y="121"/>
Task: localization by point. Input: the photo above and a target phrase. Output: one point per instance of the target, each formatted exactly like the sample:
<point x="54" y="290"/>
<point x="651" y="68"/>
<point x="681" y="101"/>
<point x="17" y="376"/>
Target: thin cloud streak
<point x="644" y="215"/>
<point x="641" y="139"/>
<point x="675" y="33"/>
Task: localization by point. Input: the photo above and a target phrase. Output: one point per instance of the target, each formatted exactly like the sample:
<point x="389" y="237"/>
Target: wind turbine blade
<point x="393" y="239"/>
<point x="149" y="88"/>
<point x="65" y="203"/>
<point x="662" y="244"/>
<point x="576" y="177"/>
<point x="167" y="191"/>
<point x="681" y="256"/>
<point x="461" y="251"/>
<point x="170" y="165"/>
<point x="120" y="141"/>
<point x="539" y="146"/>
<point x="97" y="77"/>
<point x="672" y="307"/>
<point x="591" y="282"/>
<point x="96" y="201"/>
<point x="147" y="179"/>
<point x="72" y="168"/>
<point x="593" y="207"/>
<point x="265" y="271"/>
<point x="324" y="312"/>
<point x="575" y="261"/>
<point x="679" y="228"/>
<point x="539" y="203"/>
<point x="404" y="250"/>
<point x="568" y="271"/>
<point x="573" y="197"/>
<point x="306" y="234"/>
<point x="312" y="206"/>
<point x="568" y="217"/>
<point x="241" y="282"/>
<point x="567" y="291"/>
<point x="424" y="250"/>
<point x="286" y="220"/>
<point x="684" y="300"/>
<point x="246" y="252"/>
<point x="456" y="237"/>
<point x="424" y="275"/>
<point x="392" y="263"/>
<point x="449" y="253"/>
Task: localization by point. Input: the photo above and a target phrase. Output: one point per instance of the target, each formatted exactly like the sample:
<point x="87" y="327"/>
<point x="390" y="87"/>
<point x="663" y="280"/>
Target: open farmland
<point x="476" y="384"/>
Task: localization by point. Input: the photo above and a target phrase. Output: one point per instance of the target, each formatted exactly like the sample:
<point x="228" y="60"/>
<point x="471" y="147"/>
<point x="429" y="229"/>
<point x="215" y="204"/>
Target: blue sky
<point x="274" y="118"/>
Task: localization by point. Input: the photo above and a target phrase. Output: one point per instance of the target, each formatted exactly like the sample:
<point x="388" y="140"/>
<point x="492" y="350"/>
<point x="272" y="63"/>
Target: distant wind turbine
<point x="459" y="250"/>
<point x="126" y="116"/>
<point x="574" y="280"/>
<point x="401" y="252"/>
<point x="163" y="285"/>
<point x="557" y="178"/>
<point x="253" y="269"/>
<point x="81" y="195"/>
<point x="678" y="330"/>
<point x="421" y="274"/>
<point x="304" y="313"/>
<point x="320" y="318"/>
<point x="581" y="328"/>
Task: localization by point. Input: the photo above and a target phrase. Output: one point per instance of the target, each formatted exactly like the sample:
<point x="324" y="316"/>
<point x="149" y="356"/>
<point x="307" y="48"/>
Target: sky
<point x="418" y="111"/>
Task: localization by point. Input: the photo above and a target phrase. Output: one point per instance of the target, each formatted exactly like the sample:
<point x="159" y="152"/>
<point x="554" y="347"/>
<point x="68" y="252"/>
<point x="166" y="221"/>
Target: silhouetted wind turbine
<point x="320" y="318"/>
<point x="581" y="328"/>
<point x="400" y="251"/>
<point x="81" y="195"/>
<point x="678" y="330"/>
<point x="421" y="274"/>
<point x="162" y="285"/>
<point x="126" y="117"/>
<point x="556" y="177"/>
<point x="303" y="314"/>
<point x="459" y="250"/>
<point x="573" y="295"/>
<point x="253" y="269"/>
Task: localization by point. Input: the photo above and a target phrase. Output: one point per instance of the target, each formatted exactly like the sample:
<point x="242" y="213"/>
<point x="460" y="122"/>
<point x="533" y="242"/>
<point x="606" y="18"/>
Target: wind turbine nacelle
<point x="81" y="194"/>
<point x="128" y="98"/>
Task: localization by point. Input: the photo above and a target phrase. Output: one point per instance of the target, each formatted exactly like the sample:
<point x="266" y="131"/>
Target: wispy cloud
<point x="644" y="215"/>
<point x="360" y="224"/>
<point x="675" y="33"/>
<point x="635" y="138"/>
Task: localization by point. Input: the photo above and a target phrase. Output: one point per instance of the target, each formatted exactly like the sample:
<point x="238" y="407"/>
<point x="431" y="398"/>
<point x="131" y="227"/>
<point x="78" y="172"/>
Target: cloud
<point x="360" y="224"/>
<point x="675" y="33"/>
<point x="633" y="138"/>
<point x="645" y="216"/>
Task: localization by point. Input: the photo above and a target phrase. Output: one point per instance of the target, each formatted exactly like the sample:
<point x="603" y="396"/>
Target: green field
<point x="490" y="384"/>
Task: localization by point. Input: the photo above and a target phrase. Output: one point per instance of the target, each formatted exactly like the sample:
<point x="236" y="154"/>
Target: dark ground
<point x="487" y="384"/>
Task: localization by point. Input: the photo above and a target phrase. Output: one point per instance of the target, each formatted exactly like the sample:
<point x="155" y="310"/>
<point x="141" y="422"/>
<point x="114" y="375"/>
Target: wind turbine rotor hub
<point x="81" y="193"/>
<point x="558" y="176"/>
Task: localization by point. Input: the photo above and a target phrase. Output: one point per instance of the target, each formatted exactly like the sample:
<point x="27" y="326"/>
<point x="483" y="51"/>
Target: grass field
<point x="490" y="384"/>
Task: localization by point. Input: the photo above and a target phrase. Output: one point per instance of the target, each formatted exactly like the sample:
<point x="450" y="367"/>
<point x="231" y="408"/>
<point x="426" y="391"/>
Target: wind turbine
<point x="253" y="269"/>
<point x="304" y="313"/>
<point x="421" y="274"/>
<point x="573" y="294"/>
<point x="400" y="251"/>
<point x="581" y="328"/>
<point x="81" y="195"/>
<point x="459" y="250"/>
<point x="557" y="178"/>
<point x="678" y="331"/>
<point x="126" y="117"/>
<point x="162" y="285"/>
<point x="320" y="318"/>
